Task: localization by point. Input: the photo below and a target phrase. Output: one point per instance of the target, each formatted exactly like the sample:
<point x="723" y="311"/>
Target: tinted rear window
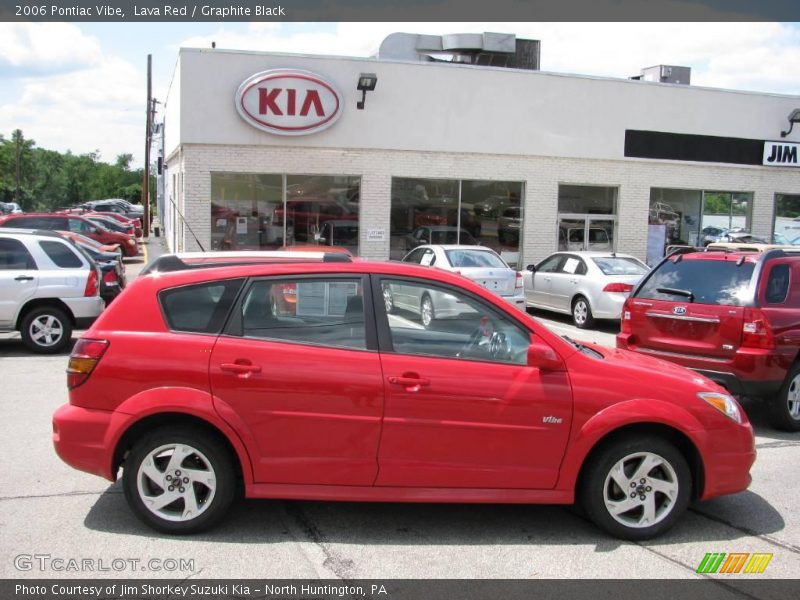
<point x="200" y="308"/>
<point x="61" y="255"/>
<point x="617" y="265"/>
<point x="709" y="281"/>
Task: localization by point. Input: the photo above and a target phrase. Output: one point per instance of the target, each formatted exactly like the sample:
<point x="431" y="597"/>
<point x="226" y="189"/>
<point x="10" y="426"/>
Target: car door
<point x="18" y="279"/>
<point x="565" y="282"/>
<point x="305" y="389"/>
<point x="539" y="291"/>
<point x="463" y="408"/>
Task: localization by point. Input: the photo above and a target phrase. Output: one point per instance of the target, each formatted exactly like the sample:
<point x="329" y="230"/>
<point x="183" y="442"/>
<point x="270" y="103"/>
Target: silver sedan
<point x="587" y="285"/>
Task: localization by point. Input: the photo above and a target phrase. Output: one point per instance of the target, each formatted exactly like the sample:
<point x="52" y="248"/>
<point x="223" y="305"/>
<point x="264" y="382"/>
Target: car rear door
<point x="463" y="408"/>
<point x="18" y="279"/>
<point x="693" y="307"/>
<point x="779" y="301"/>
<point x="305" y="389"/>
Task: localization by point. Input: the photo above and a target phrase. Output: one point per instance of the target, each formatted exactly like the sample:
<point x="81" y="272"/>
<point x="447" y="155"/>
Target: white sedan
<point x="483" y="265"/>
<point x="587" y="285"/>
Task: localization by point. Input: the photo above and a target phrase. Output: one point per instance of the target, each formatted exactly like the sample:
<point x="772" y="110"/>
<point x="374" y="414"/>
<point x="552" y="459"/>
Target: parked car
<point x="509" y="225"/>
<point x="482" y="265"/>
<point x="111" y="224"/>
<point x="136" y="222"/>
<point x="586" y="285"/>
<point x="436" y="215"/>
<point x="74" y="223"/>
<point x="438" y="234"/>
<point x="711" y="234"/>
<point x="494" y="408"/>
<point x="108" y="258"/>
<point x="115" y="205"/>
<point x="47" y="288"/>
<point x="11" y="208"/>
<point x="733" y="316"/>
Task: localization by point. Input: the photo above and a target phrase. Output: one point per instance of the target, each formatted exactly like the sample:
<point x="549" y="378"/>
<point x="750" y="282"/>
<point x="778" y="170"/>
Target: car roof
<point x="747" y="247"/>
<point x="457" y="247"/>
<point x="596" y="254"/>
<point x="40" y="232"/>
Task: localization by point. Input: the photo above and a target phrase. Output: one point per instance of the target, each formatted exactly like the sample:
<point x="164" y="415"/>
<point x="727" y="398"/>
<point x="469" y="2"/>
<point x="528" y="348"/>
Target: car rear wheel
<point x="785" y="407"/>
<point x="179" y="480"/>
<point x="426" y="311"/>
<point x="582" y="313"/>
<point x="46" y="329"/>
<point x="636" y="487"/>
<point x="388" y="300"/>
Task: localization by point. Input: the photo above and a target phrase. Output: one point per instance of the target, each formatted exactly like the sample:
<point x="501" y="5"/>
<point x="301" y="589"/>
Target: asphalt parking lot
<point x="52" y="510"/>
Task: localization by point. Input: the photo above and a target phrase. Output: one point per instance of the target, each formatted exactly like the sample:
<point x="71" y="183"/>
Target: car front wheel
<point x="636" y="487"/>
<point x="427" y="311"/>
<point x="46" y="330"/>
<point x="179" y="480"/>
<point x="785" y="407"/>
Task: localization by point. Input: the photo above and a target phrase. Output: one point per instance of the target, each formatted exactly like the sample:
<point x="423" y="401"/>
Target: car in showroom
<point x="47" y="288"/>
<point x="732" y="315"/>
<point x="587" y="285"/>
<point x="195" y="389"/>
<point x="438" y="234"/>
<point x="478" y="263"/>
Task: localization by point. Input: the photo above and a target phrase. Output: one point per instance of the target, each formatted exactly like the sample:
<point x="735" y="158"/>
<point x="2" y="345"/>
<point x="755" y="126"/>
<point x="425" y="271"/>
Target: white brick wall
<point x="541" y="176"/>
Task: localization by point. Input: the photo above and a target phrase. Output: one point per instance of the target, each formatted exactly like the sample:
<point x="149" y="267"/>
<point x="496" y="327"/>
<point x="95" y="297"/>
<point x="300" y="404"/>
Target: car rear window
<point x="700" y="281"/>
<point x="618" y="265"/>
<point x="474" y="258"/>
<point x="61" y="255"/>
<point x="200" y="308"/>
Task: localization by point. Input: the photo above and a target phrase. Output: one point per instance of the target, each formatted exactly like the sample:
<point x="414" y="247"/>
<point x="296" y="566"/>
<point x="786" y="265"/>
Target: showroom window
<point x="586" y="217"/>
<point x="452" y="211"/>
<point x="693" y="218"/>
<point x="786" y="229"/>
<point x="254" y="211"/>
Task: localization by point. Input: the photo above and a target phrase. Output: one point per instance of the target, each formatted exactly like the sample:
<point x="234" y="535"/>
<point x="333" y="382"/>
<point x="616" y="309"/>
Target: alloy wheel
<point x="46" y="330"/>
<point x="793" y="398"/>
<point x="640" y="490"/>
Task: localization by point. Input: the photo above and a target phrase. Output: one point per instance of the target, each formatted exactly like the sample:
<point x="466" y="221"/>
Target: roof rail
<point x="206" y="260"/>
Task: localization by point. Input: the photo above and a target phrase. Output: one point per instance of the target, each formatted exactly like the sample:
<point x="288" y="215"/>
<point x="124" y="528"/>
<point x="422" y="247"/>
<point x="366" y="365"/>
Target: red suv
<point x="75" y="224"/>
<point x="733" y="316"/>
<point x="194" y="384"/>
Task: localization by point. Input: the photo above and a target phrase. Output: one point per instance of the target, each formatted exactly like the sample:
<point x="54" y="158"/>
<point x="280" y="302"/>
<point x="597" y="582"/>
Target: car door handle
<point x="23" y="278"/>
<point x="243" y="369"/>
<point x="412" y="384"/>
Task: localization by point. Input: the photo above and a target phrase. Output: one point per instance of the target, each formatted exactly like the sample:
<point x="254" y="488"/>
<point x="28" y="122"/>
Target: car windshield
<point x="619" y="265"/>
<point x="474" y="258"/>
<point x="700" y="281"/>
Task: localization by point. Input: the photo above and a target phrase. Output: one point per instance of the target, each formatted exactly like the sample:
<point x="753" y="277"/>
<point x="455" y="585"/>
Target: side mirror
<point x="543" y="357"/>
<point x="531" y="268"/>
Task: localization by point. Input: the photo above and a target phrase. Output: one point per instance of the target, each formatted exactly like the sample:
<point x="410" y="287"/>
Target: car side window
<point x="551" y="265"/>
<point x="459" y="326"/>
<point x="78" y="226"/>
<point x="777" y="284"/>
<point x="14" y="256"/>
<point x="200" y="308"/>
<point x="428" y="258"/>
<point x="62" y="256"/>
<point x="327" y="312"/>
<point x="573" y="266"/>
<point x="415" y="256"/>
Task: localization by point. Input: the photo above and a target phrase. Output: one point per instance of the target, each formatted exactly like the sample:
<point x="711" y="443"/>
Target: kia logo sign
<point x="288" y="102"/>
<point x="679" y="310"/>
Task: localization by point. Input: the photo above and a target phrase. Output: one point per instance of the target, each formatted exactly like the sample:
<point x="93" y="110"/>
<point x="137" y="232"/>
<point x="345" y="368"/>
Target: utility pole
<point x="148" y="139"/>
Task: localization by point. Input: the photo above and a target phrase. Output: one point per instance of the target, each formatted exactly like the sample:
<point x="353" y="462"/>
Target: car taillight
<point x="625" y="323"/>
<point x="624" y="288"/>
<point x="519" y="285"/>
<point x="110" y="276"/>
<point x="756" y="332"/>
<point x="91" y="284"/>
<point x="84" y="358"/>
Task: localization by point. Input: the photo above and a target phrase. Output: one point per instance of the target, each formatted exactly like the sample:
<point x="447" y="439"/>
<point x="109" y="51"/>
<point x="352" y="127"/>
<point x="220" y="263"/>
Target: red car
<point x="192" y="385"/>
<point x="733" y="316"/>
<point x="74" y="223"/>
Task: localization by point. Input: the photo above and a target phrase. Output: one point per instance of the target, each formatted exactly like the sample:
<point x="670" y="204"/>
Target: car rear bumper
<point x="749" y="372"/>
<point x="518" y="301"/>
<point x="85" y="309"/>
<point x="79" y="437"/>
<point x="608" y="305"/>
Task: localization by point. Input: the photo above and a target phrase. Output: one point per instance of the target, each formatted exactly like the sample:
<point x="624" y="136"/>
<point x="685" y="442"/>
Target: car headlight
<point x="723" y="403"/>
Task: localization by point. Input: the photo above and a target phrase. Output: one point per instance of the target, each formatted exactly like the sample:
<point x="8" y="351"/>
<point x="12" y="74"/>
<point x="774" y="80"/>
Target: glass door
<point x="586" y="232"/>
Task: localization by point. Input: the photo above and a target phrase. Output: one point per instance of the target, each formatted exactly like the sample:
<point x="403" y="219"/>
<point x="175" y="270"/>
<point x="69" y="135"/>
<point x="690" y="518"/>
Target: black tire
<point x="207" y="449"/>
<point x="32" y="335"/>
<point x="582" y="313"/>
<point x="784" y="408"/>
<point x="596" y="484"/>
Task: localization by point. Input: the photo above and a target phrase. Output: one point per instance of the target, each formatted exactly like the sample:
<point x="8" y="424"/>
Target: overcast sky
<point x="82" y="87"/>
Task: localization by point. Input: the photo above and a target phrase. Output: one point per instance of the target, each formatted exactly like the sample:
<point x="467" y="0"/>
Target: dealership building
<point x="461" y="139"/>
